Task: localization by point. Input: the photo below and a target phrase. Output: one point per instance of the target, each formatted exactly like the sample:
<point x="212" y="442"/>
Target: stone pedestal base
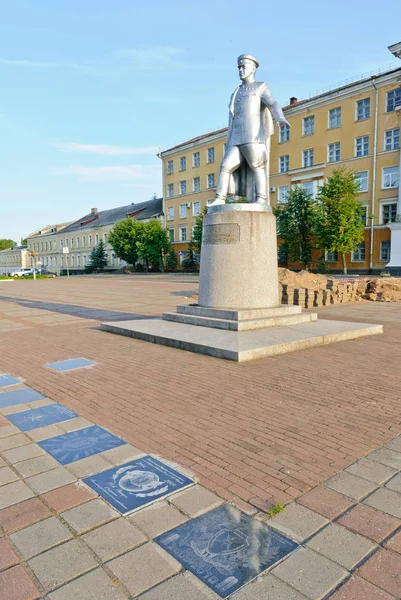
<point x="394" y="266"/>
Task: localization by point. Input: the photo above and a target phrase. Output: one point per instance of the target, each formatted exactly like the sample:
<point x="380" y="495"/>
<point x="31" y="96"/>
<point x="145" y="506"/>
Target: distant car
<point x="44" y="271"/>
<point x="21" y="272"/>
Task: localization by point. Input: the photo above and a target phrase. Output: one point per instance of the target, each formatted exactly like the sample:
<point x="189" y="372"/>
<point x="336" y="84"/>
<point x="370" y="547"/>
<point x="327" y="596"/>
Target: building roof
<point x="142" y="210"/>
<point x="48" y="229"/>
<point x="14" y="248"/>
<point x="196" y="139"/>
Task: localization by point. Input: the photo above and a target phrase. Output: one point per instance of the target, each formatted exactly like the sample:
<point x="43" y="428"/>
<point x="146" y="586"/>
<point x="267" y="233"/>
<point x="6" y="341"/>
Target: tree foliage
<point x="154" y="243"/>
<point x="124" y="237"/>
<point x="97" y="259"/>
<point x="172" y="259"/>
<point x="339" y="227"/>
<point x="197" y="232"/>
<point x="5" y="244"/>
<point x="189" y="263"/>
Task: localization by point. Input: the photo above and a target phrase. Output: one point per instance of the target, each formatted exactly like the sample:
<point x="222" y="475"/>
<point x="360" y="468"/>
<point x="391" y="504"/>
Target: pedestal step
<point x="239" y="315"/>
<point x="240" y="325"/>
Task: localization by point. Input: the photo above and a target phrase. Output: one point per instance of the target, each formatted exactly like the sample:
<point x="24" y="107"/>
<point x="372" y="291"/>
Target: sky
<point x="92" y="90"/>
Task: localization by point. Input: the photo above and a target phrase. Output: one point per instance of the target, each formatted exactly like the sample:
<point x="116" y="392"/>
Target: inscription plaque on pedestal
<point x="226" y="233"/>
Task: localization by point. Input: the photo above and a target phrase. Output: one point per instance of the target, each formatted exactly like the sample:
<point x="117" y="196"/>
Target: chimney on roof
<point x="93" y="211"/>
<point x="293" y="101"/>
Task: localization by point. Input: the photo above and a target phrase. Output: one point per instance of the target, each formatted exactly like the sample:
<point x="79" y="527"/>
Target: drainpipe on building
<point x="372" y="220"/>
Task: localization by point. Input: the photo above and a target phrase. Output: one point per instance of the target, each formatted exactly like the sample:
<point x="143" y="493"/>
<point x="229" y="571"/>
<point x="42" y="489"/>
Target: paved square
<point x="39" y="417"/>
<point x="19" y="397"/>
<point x="71" y="364"/>
<point x="6" y="380"/>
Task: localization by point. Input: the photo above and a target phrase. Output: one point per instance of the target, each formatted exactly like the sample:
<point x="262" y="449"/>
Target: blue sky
<point x="91" y="90"/>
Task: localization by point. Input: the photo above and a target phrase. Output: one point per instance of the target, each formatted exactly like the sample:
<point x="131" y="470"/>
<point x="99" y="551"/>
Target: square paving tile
<point x="6" y="429"/>
<point x="158" y="518"/>
<point x="12" y="493"/>
<point x="144" y="567"/>
<point x="387" y="501"/>
<point x="15" y="408"/>
<point x="8" y="558"/>
<point x="196" y="500"/>
<point x="61" y="564"/>
<point x="268" y="588"/>
<point x="39" y="537"/>
<point x="394" y="543"/>
<point x="371" y="470"/>
<point x="71" y="364"/>
<point x="14" y="441"/>
<point x="6" y="380"/>
<point x="391" y="458"/>
<point x="68" y="496"/>
<point x="359" y="589"/>
<point x="297" y="522"/>
<point x="114" y="538"/>
<point x="17" y="455"/>
<point x="89" y="515"/>
<point x="7" y="475"/>
<point x="225" y="548"/>
<point x="40" y="403"/>
<point x="76" y="445"/>
<point x="341" y="545"/>
<point x="137" y="483"/>
<point x="395" y="484"/>
<point x="350" y="485"/>
<point x="88" y="466"/>
<point x="23" y="514"/>
<point x="122" y="454"/>
<point x="92" y="586"/>
<point x="19" y="396"/>
<point x="310" y="574"/>
<point x="326" y="502"/>
<point x="383" y="569"/>
<point x="33" y="466"/>
<point x="44" y="433"/>
<point x="50" y="480"/>
<point x="395" y="444"/>
<point x="74" y="424"/>
<point x="15" y="584"/>
<point x="39" y="417"/>
<point x="183" y="587"/>
<point x="371" y="523"/>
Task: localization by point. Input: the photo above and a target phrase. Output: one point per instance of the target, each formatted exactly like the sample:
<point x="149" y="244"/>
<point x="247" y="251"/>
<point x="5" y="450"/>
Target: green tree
<point x="98" y="259"/>
<point x="5" y="244"/>
<point x="296" y="225"/>
<point x="124" y="237"/>
<point x="24" y="242"/>
<point x="154" y="243"/>
<point x="339" y="225"/>
<point x="197" y="232"/>
<point x="172" y="259"/>
<point x="189" y="262"/>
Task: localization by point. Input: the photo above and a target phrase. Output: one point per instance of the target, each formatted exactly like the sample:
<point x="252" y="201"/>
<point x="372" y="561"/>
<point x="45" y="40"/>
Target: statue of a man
<point x="244" y="170"/>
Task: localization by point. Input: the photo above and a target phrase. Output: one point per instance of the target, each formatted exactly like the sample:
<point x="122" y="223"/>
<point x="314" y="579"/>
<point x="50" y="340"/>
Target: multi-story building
<point x="15" y="258"/>
<point x="356" y="126"/>
<point x="82" y="235"/>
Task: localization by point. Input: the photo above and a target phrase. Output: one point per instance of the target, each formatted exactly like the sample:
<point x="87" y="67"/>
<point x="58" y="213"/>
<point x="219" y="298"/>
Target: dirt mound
<point x="304" y="279"/>
<point x="383" y="290"/>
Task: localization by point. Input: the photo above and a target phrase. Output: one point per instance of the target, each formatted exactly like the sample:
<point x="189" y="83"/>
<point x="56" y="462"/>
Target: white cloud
<point x="123" y="173"/>
<point x="105" y="149"/>
<point x="28" y="63"/>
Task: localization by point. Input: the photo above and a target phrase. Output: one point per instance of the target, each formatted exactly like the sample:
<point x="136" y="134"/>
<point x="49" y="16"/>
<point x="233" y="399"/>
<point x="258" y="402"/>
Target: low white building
<point x="15" y="258"/>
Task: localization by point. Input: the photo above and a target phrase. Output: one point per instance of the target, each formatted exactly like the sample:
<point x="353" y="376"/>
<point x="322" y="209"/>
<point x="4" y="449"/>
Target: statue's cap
<point x="247" y="57"/>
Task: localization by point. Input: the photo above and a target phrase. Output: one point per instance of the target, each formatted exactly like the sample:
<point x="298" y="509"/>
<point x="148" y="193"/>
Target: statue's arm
<point x="273" y="105"/>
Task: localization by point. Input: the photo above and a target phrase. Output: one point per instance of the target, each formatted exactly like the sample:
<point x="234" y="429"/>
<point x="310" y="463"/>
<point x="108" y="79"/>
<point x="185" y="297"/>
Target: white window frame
<point x="382" y="206"/>
<point x="332" y="257"/>
<point x="195" y="181"/>
<point x="180" y="235"/>
<point x="170" y="190"/>
<point x="307" y="184"/>
<point x="89" y="242"/>
<point x="361" y="144"/>
<point x="308" y="158"/>
<point x="308" y="125"/>
<point x="334" y="147"/>
<point x="183" y="163"/>
<point x="171" y="234"/>
<point x="388" y="250"/>
<point x="334" y="115"/>
<point x="364" y="108"/>
<point x="83" y="241"/>
<point x="210" y="155"/>
<point x="283" y="162"/>
<point x="183" y="211"/>
<point x="394" y="145"/>
<point x="196" y="209"/>
<point x="211" y="181"/>
<point x="363" y="177"/>
<point x="359" y="255"/>
<point x="396" y="102"/>
<point x="183" y="187"/>
<point x="284" y="133"/>
<point x="170" y="167"/>
<point x="365" y="220"/>
<point x="390" y="175"/>
<point x="77" y="242"/>
<point x="283" y="192"/>
<point x="96" y="239"/>
<point x="196" y="159"/>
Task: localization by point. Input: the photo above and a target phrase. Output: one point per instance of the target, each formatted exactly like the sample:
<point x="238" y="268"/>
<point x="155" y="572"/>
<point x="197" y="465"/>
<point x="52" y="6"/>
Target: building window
<point x="335" y="117"/>
<point x="196" y="184"/>
<point x="390" y="177"/>
<point x="362" y="177"/>
<point x="392" y="139"/>
<point x="72" y="242"/>
<point x="309" y="188"/>
<point x="332" y="257"/>
<point x="170" y="190"/>
<point x="283" y="194"/>
<point x="393" y="100"/>
<point x="84" y="259"/>
<point x="78" y="260"/>
<point x="61" y="244"/>
<point x="196" y="159"/>
<point x="284" y="133"/>
<point x="90" y="241"/>
<point x="363" y="109"/>
<point x="183" y="163"/>
<point x="61" y="261"/>
<point x="83" y="241"/>
<point x="307" y="158"/>
<point x="170" y="213"/>
<point x="389" y="213"/>
<point x="171" y="235"/>
<point x="183" y="211"/>
<point x="334" y="152"/>
<point x="210" y="181"/>
<point x="45" y="245"/>
<point x="284" y="164"/>
<point x="309" y="125"/>
<point x="362" y="146"/>
<point x="66" y="243"/>
<point x="210" y="155"/>
<point x="364" y="214"/>
<point x="55" y="261"/>
<point x="183" y="187"/>
<point x="96" y="239"/>
<point x="72" y="260"/>
<point x="196" y="209"/>
<point x="183" y="234"/>
<point x="105" y="238"/>
<point x="77" y="242"/>
<point x="358" y="255"/>
<point x="170" y="167"/>
<point x="385" y="249"/>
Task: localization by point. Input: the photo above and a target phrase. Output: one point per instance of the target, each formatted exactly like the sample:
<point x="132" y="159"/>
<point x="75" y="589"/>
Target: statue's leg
<point x="256" y="157"/>
<point x="229" y="164"/>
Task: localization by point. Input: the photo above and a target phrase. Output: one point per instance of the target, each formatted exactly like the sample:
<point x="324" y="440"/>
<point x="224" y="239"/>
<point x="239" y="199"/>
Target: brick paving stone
<point x="37" y="465"/>
<point x="74" y="424"/>
<point x="387" y="501"/>
<point x="350" y="485"/>
<point x="51" y="480"/>
<point x="394" y="543"/>
<point x="195" y="501"/>
<point x="370" y="523"/>
<point x="310" y="574"/>
<point x="359" y="589"/>
<point x="7" y="475"/>
<point x="371" y="470"/>
<point x="40" y="403"/>
<point x="15" y="584"/>
<point x="394" y="484"/>
<point x="88" y="466"/>
<point x="383" y="569"/>
<point x="3" y="422"/>
<point x="125" y="453"/>
<point x="14" y="441"/>
<point x="182" y="587"/>
<point x="61" y="564"/>
<point x="341" y="546"/>
<point x="23" y="514"/>
<point x="92" y="586"/>
<point x="89" y="515"/>
<point x="111" y="540"/>
<point x="8" y="558"/>
<point x="157" y="518"/>
<point x="326" y="502"/>
<point x="144" y="567"/>
<point x="23" y="453"/>
<point x="12" y="493"/>
<point x="68" y="496"/>
<point x="41" y="536"/>
<point x="7" y="430"/>
<point x="44" y="433"/>
<point x="297" y="522"/>
<point x="267" y="588"/>
<point x="386" y="457"/>
<point x="395" y="444"/>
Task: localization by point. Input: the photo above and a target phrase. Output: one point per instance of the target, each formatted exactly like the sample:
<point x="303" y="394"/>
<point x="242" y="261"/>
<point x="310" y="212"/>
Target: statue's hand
<point x="283" y="121"/>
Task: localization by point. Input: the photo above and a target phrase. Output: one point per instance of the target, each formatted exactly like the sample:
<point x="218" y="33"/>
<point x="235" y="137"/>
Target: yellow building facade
<point x="356" y="126"/>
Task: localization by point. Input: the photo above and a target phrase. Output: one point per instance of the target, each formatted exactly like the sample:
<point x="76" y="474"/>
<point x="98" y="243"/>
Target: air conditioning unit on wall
<point x="188" y="205"/>
<point x="272" y="189"/>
